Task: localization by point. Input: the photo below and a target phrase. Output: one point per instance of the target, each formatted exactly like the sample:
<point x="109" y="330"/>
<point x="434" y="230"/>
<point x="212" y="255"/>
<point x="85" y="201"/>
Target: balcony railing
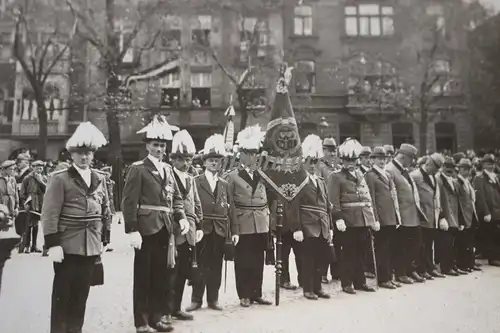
<point x="31" y="128"/>
<point x="316" y="101"/>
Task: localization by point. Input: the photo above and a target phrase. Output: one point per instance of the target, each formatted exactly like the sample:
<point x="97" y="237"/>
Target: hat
<point x="350" y="149"/>
<point x="86" y="137"/>
<point x="438" y="159"/>
<point x="214" y="147"/>
<point x="24" y="156"/>
<point x="311" y="147"/>
<point x="329" y="143"/>
<point x="38" y="163"/>
<point x="378" y="152"/>
<point x="250" y="138"/>
<point x="408" y="150"/>
<point x="158" y="129"/>
<point x="366" y="151"/>
<point x="464" y="163"/>
<point x="458" y="156"/>
<point x="449" y="163"/>
<point x="182" y="145"/>
<point x="422" y="160"/>
<point x="488" y="158"/>
<point x="7" y="164"/>
<point x="389" y="149"/>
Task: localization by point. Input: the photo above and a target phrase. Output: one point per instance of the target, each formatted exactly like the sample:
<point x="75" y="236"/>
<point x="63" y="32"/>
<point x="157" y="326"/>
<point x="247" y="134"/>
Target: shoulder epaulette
<point x="58" y="171"/>
<point x="138" y="163"/>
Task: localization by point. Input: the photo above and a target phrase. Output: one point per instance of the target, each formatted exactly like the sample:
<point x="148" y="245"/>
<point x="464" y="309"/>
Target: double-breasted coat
<point x="74" y="214"/>
<point x="384" y="197"/>
<point x="450" y="203"/>
<point x="487" y="196"/>
<point x="408" y="196"/>
<point x="214" y="205"/>
<point x="429" y="193"/>
<point x="192" y="209"/>
<point x="467" y="197"/>
<point x="144" y="186"/>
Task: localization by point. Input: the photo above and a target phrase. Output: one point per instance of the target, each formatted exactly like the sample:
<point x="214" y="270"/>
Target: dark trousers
<point x="491" y="239"/>
<point x="408" y="240"/>
<point x="31" y="235"/>
<point x="314" y="250"/>
<point x="249" y="265"/>
<point x="210" y="251"/>
<point x="464" y="246"/>
<point x="70" y="290"/>
<point x="426" y="262"/>
<point x="150" y="278"/>
<point x="368" y="257"/>
<point x="335" y="265"/>
<point x="6" y="247"/>
<point x="446" y="249"/>
<point x="288" y="244"/>
<point x="353" y="242"/>
<point x="178" y="277"/>
<point x="384" y="239"/>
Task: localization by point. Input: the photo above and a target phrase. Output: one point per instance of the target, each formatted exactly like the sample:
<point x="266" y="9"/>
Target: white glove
<point x="56" y="254"/>
<point x="330" y="236"/>
<point x="135" y="240"/>
<point x="298" y="235"/>
<point x="341" y="225"/>
<point x="184" y="224"/>
<point x="487" y="218"/>
<point x="443" y="224"/>
<point x="376" y="226"/>
<point x="235" y="239"/>
<point x="199" y="235"/>
<point x="461" y="228"/>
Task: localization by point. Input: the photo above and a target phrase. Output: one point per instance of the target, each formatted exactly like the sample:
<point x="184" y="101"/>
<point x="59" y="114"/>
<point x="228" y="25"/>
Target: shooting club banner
<point x="282" y="168"/>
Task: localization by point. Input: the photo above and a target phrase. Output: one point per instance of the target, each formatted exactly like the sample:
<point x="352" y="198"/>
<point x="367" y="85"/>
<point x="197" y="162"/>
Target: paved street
<point x="463" y="304"/>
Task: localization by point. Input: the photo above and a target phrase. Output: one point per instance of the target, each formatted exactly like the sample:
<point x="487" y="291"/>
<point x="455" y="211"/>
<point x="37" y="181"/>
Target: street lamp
<point x="323" y="124"/>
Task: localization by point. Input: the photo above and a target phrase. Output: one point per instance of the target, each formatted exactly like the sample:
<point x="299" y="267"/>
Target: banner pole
<point x="279" y="245"/>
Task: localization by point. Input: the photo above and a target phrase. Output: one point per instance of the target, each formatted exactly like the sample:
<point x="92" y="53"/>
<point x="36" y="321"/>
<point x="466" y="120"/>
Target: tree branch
<point x="231" y="77"/>
<point x="19" y="54"/>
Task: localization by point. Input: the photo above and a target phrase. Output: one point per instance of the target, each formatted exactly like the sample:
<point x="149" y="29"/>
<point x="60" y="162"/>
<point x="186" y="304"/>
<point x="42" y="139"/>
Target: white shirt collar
<point x="85" y="173"/>
<point x="212" y="179"/>
<point x="158" y="164"/>
<point x="250" y="172"/>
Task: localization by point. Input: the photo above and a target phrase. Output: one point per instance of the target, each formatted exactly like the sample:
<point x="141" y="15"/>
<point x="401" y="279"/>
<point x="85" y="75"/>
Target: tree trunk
<point x="42" y="126"/>
<point x="422" y="129"/>
<point x="243" y="110"/>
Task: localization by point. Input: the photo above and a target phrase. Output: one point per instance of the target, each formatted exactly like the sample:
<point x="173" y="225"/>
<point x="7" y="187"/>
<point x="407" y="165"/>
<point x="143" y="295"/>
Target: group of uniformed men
<point x="405" y="219"/>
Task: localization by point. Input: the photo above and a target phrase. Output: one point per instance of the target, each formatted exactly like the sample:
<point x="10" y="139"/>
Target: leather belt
<point x="251" y="207"/>
<point x="313" y="209"/>
<point x="356" y="204"/>
<point x="76" y="218"/>
<point x="214" y="217"/>
<point x="156" y="208"/>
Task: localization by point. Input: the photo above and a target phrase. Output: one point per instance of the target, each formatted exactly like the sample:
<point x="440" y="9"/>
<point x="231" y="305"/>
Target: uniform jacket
<point x="145" y="186"/>
<point x="363" y="169"/>
<point x="290" y="217"/>
<point x="9" y="195"/>
<point x="248" y="203"/>
<point x="450" y="203"/>
<point x="408" y="196"/>
<point x="344" y="188"/>
<point x="487" y="196"/>
<point x="429" y="194"/>
<point x="110" y="185"/>
<point x="192" y="209"/>
<point x="214" y="205"/>
<point x="314" y="210"/>
<point x="33" y="189"/>
<point x="467" y="197"/>
<point x="384" y="197"/>
<point x="74" y="215"/>
<point x="325" y="169"/>
<point x="20" y="176"/>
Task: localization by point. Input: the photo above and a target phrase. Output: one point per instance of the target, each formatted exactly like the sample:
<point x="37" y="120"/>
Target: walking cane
<point x="225" y="275"/>
<point x="372" y="248"/>
<point x="279" y="243"/>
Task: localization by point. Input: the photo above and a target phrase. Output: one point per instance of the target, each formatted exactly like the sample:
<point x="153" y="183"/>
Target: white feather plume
<point x="183" y="143"/>
<point x="215" y="143"/>
<point x="86" y="135"/>
<point x="159" y="128"/>
<point x="250" y="138"/>
<point x="350" y="148"/>
<point x="312" y="147"/>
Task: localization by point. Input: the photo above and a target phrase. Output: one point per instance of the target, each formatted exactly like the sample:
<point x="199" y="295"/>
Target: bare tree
<point x="42" y="39"/>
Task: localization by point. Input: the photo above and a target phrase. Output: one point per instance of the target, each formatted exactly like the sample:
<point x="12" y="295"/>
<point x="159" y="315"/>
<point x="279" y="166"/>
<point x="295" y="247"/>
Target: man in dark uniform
<point x="183" y="150"/>
<point x="212" y="191"/>
<point x="249" y="218"/>
<point x="74" y="214"/>
<point x="365" y="162"/>
<point x="152" y="205"/>
<point x="313" y="227"/>
<point x="353" y="215"/>
<point x="487" y="188"/>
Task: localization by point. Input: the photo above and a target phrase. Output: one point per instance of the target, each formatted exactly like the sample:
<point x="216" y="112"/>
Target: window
<point x="201" y="84"/>
<point x="302" y="24"/>
<point x="445" y="137"/>
<point x="170" y="38"/>
<point x="200" y="30"/>
<point x="349" y="130"/>
<point x="249" y="27"/>
<point x="5" y="46"/>
<point x="437" y="12"/>
<point x="305" y="76"/>
<point x="6" y="106"/>
<point x="170" y="89"/>
<point x="256" y="98"/>
<point x="441" y="67"/>
<point x="369" y="20"/>
<point x="402" y="133"/>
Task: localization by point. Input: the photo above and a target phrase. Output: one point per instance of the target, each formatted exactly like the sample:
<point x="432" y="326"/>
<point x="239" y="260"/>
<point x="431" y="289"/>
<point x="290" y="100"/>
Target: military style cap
<point x="7" y="164"/>
<point x="158" y="129"/>
<point x="87" y="137"/>
<point x="215" y="147"/>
